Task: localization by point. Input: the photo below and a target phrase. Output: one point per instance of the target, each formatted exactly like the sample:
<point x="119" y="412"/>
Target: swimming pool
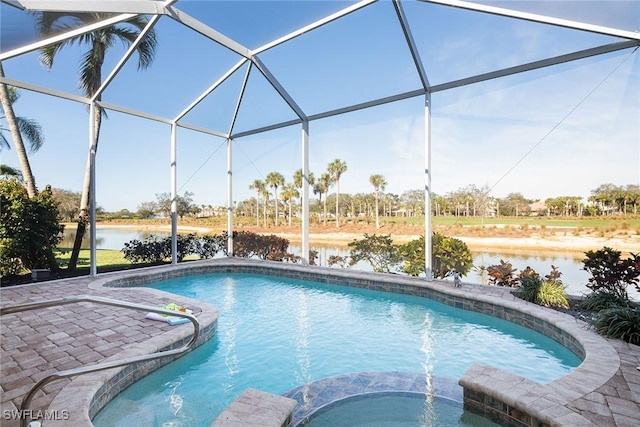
<point x="275" y="334"/>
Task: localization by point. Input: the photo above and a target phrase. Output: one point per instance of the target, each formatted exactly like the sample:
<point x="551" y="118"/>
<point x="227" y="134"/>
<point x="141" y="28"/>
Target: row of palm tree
<point x="290" y="191"/>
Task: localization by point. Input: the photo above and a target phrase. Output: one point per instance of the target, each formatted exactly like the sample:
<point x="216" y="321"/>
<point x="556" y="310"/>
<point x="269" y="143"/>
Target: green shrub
<point x="547" y="293"/>
<point x="29" y="228"/>
<point x="552" y="294"/>
<point x="379" y="251"/>
<point x="603" y="300"/>
<point x="448" y="255"/>
<point x="530" y="287"/>
<point x="619" y="322"/>
<point x="611" y="273"/>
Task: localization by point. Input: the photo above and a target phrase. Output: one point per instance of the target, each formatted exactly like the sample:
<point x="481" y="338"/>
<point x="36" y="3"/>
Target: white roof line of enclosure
<point x="63" y="36"/>
<point x="202" y="130"/>
<point x="45" y="90"/>
<point x="582" y="54"/>
<point x="415" y="54"/>
<point x="148" y="7"/>
<point x="538" y="18"/>
<point x="317" y="24"/>
<point x="133" y="112"/>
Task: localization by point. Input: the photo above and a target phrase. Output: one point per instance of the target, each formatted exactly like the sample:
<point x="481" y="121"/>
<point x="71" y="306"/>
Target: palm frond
<point x="90" y="71"/>
<point x="32" y="132"/>
<point x="6" y="170"/>
<point x="3" y="141"/>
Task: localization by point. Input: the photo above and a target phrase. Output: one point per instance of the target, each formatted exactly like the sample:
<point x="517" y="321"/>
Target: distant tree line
<point x="470" y="201"/>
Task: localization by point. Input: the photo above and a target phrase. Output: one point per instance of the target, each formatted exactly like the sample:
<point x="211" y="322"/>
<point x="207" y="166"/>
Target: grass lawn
<point x="104" y="257"/>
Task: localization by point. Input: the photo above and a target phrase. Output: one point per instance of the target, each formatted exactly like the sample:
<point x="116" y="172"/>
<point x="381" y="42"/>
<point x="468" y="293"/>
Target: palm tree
<point x="99" y="42"/>
<point x="265" y="196"/>
<point x="20" y="127"/>
<point x="378" y="183"/>
<point x="275" y="180"/>
<point x="336" y="169"/>
<point x="259" y="186"/>
<point x="324" y="183"/>
<point x="289" y="191"/>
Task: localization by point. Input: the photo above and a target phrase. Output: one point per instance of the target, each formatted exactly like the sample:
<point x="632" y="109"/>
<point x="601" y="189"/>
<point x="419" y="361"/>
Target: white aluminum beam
<point x="415" y="54"/>
<point x="63" y="36"/>
<point x="305" y="193"/>
<point x="239" y="102"/>
<point x="93" y="148"/>
<point x="319" y="23"/>
<point x="202" y="130"/>
<point x="133" y="112"/>
<point x="575" y="25"/>
<point x="174" y="194"/>
<point x="147" y="7"/>
<point x="428" y="235"/>
<point x="44" y="90"/>
<point x="368" y="104"/>
<point x="211" y="89"/>
<point x="278" y="87"/>
<point x="230" y="251"/>
<point x="266" y="128"/>
<point x="15" y="3"/>
<point x="536" y="65"/>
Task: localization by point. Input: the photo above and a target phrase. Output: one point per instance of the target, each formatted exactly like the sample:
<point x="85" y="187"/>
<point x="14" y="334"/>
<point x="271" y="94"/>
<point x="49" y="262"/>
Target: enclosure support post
<point x="93" y="269"/>
<point x="305" y="193"/>
<point x="174" y="196"/>
<point x="427" y="187"/>
<point x="229" y="197"/>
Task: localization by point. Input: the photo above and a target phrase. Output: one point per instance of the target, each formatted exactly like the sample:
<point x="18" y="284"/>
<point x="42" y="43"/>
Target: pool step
<point x="255" y="408"/>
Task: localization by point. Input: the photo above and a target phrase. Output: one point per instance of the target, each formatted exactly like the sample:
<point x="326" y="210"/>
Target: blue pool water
<point x="396" y="410"/>
<point x="275" y="334"/>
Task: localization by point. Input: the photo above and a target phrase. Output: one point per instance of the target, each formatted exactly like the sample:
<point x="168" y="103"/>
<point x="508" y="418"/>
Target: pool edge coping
<point x="548" y="404"/>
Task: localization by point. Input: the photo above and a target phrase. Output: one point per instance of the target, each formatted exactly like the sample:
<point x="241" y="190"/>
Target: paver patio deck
<point x="37" y="343"/>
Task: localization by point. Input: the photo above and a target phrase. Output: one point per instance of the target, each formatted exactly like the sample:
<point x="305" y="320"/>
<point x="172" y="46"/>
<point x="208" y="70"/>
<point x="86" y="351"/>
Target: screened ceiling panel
<point x="622" y="14"/>
<point x="360" y="57"/>
<point x="456" y="43"/>
<point x="216" y="110"/>
<point x="261" y="105"/>
<point x="185" y="65"/>
<point x="254" y="23"/>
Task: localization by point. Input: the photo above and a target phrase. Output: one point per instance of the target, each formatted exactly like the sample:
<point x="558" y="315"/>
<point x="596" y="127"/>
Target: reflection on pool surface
<point x="275" y="334"/>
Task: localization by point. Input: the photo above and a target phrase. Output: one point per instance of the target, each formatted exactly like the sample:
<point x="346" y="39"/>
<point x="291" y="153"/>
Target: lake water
<point x="570" y="264"/>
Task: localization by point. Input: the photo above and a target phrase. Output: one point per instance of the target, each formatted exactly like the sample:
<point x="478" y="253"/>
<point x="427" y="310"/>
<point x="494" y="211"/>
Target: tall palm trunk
<point x="377" y="215"/>
<point x="338" y="203"/>
<point x="258" y="210"/>
<point x="324" y="218"/>
<point x="18" y="143"/>
<point x="21" y="152"/>
<point x="85" y="214"/>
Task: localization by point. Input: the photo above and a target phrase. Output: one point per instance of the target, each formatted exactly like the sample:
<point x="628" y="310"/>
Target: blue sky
<point x="579" y="122"/>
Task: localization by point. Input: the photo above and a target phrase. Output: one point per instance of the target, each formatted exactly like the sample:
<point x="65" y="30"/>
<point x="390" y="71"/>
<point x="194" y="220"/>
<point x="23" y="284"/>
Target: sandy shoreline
<point x="548" y="243"/>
